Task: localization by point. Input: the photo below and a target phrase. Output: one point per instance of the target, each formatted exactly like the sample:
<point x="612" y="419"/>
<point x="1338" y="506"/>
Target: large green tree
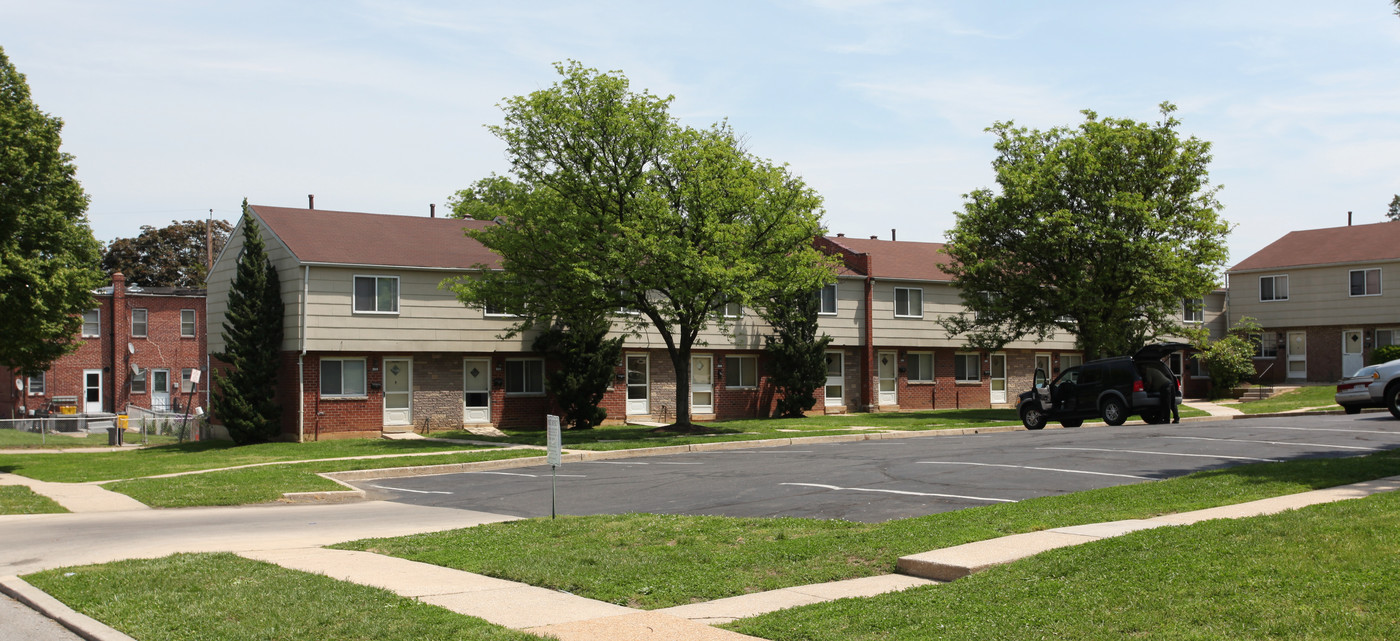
<point x="1099" y="231"/>
<point x="48" y="255"/>
<point x="611" y="205"/>
<point x="245" y="397"/>
<point x="170" y="256"/>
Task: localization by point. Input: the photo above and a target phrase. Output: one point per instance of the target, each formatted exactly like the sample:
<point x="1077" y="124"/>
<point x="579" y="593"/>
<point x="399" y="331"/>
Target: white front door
<point x="835" y="379"/>
<point x="887" y="368"/>
<point x="702" y="384"/>
<point x="1042" y="363"/>
<point x="476" y="390"/>
<point x="998" y="378"/>
<point x="637" y="394"/>
<point x="398" y="391"/>
<point x="160" y="390"/>
<point x="1351" y="352"/>
<point x="92" y="391"/>
<point x="1297" y="355"/>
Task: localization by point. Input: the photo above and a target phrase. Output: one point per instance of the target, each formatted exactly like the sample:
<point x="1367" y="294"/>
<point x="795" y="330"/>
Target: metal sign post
<point x="554" y="439"/>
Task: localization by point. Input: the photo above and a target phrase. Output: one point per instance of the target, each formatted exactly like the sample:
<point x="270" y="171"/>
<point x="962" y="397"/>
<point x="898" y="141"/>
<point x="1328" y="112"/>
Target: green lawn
<point x="1301" y="398"/>
<point x="17" y="499"/>
<point x="653" y="561"/>
<point x="222" y="596"/>
<point x="15" y="439"/>
<point x="1322" y="572"/>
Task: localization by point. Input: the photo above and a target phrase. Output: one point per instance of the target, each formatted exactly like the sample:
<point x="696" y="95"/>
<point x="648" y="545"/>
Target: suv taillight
<point x="1137" y="386"/>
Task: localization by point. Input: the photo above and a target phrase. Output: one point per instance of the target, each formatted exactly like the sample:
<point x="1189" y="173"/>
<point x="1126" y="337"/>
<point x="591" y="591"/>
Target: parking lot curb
<point x="76" y="622"/>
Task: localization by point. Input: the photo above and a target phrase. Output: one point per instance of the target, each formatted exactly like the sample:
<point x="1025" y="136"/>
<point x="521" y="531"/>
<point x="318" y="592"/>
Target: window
<point x="494" y="309"/>
<point x="138" y="382"/>
<point x="828" y="303"/>
<point x="1194" y="310"/>
<point x="1198" y="367"/>
<point x="909" y="302"/>
<point x="967" y="368"/>
<point x="92" y="322"/>
<point x="138" y="322"/>
<point x="37" y="384"/>
<point x="741" y="371"/>
<point x="186" y="385"/>
<point x="920" y="366"/>
<point x="525" y="376"/>
<point x="377" y="294"/>
<point x="1273" y="288"/>
<point x="187" y="323"/>
<point x="343" y="377"/>
<point x="1265" y="344"/>
<point x="1366" y="282"/>
<point x="1070" y="360"/>
<point x="1386" y="337"/>
<point x="732" y="310"/>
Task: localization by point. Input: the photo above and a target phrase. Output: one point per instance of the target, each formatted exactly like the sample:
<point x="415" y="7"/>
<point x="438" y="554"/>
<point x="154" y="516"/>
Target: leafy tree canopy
<point x="171" y="256"/>
<point x="612" y="204"/>
<point x="48" y="255"/>
<point x="1100" y="231"/>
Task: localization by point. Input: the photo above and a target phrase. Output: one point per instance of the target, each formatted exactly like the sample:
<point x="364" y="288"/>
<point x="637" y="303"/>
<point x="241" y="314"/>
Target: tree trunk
<point x="680" y="360"/>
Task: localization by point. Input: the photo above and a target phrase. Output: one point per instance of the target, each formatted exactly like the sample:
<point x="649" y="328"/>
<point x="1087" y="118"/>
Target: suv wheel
<point x="1392" y="399"/>
<point x="1114" y="413"/>
<point x="1033" y="418"/>
<point x="1072" y="422"/>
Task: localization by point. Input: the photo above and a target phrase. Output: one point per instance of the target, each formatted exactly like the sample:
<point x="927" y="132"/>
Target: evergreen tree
<point x="48" y="255"/>
<point x="1393" y="213"/>
<point x="796" y="356"/>
<point x="245" y="398"/>
<point x="586" y="358"/>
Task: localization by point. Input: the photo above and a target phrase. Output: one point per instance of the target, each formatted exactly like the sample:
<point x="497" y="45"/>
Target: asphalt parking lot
<point x="880" y="480"/>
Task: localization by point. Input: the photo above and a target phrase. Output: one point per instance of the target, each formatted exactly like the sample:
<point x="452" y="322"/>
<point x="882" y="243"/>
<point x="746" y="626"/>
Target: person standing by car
<point x="1165" y="387"/>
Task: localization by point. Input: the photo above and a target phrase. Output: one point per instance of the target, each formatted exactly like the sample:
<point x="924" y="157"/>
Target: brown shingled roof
<point x="900" y="259"/>
<point x="351" y="238"/>
<point x="1331" y="246"/>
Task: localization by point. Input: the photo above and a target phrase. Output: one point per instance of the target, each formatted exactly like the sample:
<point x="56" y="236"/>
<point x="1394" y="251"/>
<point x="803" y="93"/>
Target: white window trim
<point x="139" y="376"/>
<point x="725" y="310"/>
<point x="98" y="331"/>
<point x="1379" y="285"/>
<point x="194" y="323"/>
<point x="398" y="295"/>
<point x="1275" y="299"/>
<point x="506" y="375"/>
<point x="486" y="311"/>
<point x="1394" y="336"/>
<point x="1200" y="311"/>
<point x="977" y="371"/>
<point x="342" y="378"/>
<point x="1260" y="353"/>
<point x="748" y="357"/>
<point x="43" y="384"/>
<point x="909" y="357"/>
<point x="145" y="324"/>
<point x="896" y="302"/>
<point x="835" y="300"/>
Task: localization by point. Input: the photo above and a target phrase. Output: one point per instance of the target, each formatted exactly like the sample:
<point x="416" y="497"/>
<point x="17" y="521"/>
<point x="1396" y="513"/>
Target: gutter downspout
<point x="301" y="356"/>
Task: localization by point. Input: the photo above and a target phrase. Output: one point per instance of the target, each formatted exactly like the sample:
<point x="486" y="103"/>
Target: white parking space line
<point x="1041" y="469"/>
<point x="1326" y="429"/>
<point x="641" y="463"/>
<point x="901" y="492"/>
<point x="404" y="489"/>
<point x="1100" y="449"/>
<point x="533" y="476"/>
<point x="1238" y="440"/>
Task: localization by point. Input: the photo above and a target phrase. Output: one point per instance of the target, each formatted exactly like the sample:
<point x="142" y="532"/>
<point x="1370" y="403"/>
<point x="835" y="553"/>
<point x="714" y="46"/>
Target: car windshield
<point x="1364" y="372"/>
<point x="1070" y="375"/>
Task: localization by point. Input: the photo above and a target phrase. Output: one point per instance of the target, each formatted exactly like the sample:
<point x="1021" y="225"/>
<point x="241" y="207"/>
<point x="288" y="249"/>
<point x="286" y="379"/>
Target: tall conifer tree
<point x="245" y="398"/>
<point x="797" y="357"/>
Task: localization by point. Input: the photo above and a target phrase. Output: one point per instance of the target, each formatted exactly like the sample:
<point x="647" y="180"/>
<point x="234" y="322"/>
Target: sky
<point x="173" y="108"/>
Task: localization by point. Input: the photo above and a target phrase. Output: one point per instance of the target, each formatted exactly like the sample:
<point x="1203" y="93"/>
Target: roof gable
<point x="903" y="260"/>
<point x="321" y="236"/>
<point x="1330" y="246"/>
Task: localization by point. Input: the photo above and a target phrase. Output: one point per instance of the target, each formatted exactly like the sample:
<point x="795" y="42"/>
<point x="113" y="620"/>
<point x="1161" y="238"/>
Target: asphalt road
<point x="876" y="481"/>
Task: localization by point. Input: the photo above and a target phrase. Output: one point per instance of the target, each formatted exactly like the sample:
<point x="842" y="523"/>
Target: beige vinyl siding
<point x="1317" y="296"/>
<point x="221" y="279"/>
<point x="844" y="327"/>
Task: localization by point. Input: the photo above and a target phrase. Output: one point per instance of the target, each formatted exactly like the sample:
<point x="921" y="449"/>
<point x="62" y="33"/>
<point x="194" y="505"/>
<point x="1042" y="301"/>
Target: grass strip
<point x="1311" y="397"/>
<point x="15" y="439"/>
<point x="267" y="483"/>
<point x="17" y="499"/>
<point x="651" y="561"/>
<point x="223" y="596"/>
<point x="1321" y="572"/>
<point x="202" y="455"/>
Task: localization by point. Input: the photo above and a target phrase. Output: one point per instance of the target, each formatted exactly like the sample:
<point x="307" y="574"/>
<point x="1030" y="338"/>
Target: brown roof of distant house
<point x="900" y="259"/>
<point x="1331" y="246"/>
<point x="351" y="238"/>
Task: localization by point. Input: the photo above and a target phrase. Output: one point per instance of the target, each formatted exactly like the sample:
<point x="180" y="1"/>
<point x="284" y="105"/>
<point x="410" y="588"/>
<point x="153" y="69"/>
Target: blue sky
<point x="176" y="107"/>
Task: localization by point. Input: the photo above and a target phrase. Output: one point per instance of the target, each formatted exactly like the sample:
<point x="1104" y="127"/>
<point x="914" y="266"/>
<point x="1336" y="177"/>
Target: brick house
<point x="1320" y="298"/>
<point x="140" y="346"/>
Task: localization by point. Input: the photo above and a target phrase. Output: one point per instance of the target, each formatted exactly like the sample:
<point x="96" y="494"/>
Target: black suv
<point x="1111" y="388"/>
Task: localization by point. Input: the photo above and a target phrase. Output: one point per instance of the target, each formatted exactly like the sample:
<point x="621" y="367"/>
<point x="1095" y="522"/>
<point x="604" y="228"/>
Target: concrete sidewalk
<point x="77" y="497"/>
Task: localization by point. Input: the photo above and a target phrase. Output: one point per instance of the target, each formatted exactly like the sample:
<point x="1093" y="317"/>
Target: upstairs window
<point x="828" y="302"/>
<point x="1366" y="282"/>
<point x="138" y="322"/>
<point x="732" y="310"/>
<point x="377" y="294"/>
<point x="496" y="309"/>
<point x="1273" y="288"/>
<point x="187" y="323"/>
<point x="908" y="302"/>
<point x="92" y="322"/>
<point x="1194" y="310"/>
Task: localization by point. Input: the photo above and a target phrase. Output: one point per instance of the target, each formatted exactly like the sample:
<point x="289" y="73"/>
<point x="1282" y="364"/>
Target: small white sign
<point x="555" y="439"/>
<point x="194" y="376"/>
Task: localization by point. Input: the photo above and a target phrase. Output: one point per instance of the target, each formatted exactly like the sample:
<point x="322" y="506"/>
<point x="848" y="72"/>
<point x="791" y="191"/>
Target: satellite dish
<point x="135" y="371"/>
<point x="19" y="384"/>
<point x="130" y="349"/>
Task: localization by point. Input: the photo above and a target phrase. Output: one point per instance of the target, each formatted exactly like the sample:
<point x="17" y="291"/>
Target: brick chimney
<point x="117" y="377"/>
